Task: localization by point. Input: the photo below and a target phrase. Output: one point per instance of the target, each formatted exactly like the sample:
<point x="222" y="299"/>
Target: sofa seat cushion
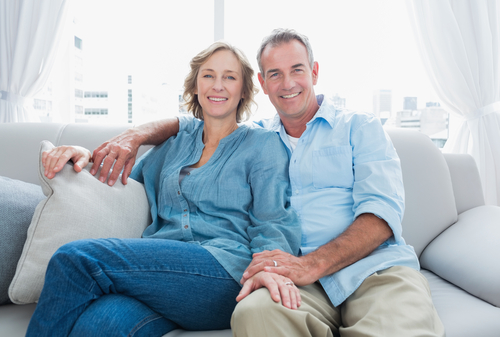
<point x="77" y="206"/>
<point x="461" y="313"/>
<point x="18" y="201"/>
<point x="466" y="254"/>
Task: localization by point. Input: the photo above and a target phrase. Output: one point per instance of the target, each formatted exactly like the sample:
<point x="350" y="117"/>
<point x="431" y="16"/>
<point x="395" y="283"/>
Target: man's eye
<point x="274" y="75"/>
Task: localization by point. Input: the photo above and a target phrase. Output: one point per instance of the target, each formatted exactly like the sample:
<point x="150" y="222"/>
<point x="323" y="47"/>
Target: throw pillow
<point x="18" y="201"/>
<point x="77" y="206"/>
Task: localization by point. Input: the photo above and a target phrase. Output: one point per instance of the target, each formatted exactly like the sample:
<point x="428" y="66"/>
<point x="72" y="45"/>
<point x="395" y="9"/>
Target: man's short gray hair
<point x="284" y="35"/>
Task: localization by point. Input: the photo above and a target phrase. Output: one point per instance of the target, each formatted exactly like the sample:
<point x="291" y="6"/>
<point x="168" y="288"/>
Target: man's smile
<point x="291" y="95"/>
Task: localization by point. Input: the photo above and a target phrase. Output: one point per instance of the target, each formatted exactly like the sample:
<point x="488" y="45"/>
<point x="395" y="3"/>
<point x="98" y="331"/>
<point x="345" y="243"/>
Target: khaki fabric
<point x="393" y="302"/>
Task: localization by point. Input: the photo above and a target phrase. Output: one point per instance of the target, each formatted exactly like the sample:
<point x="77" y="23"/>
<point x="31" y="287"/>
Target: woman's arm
<point x="275" y="224"/>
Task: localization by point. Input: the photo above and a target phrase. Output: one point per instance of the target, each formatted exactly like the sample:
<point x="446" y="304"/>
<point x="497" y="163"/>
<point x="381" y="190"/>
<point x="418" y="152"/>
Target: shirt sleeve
<point x="378" y="182"/>
<point x="275" y="225"/>
<point x="188" y="123"/>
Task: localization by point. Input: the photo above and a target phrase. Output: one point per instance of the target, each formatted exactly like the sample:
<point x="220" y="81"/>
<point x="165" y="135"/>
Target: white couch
<point x="454" y="234"/>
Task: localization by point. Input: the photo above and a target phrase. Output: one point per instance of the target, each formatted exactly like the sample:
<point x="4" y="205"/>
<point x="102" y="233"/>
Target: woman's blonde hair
<point x="243" y="110"/>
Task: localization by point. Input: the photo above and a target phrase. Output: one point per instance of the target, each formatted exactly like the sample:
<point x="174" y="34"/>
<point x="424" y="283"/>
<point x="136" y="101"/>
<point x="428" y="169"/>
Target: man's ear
<point x="262" y="83"/>
<point x="315" y="72"/>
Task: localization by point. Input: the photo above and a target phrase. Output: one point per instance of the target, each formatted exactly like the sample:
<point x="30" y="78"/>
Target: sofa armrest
<point x="466" y="254"/>
<point x="466" y="182"/>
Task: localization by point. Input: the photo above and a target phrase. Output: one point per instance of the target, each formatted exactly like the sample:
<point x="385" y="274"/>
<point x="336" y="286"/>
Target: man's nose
<point x="288" y="82"/>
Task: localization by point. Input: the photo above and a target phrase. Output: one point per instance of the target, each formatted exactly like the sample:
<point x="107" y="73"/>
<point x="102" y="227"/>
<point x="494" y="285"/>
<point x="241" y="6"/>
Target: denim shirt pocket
<point x="332" y="167"/>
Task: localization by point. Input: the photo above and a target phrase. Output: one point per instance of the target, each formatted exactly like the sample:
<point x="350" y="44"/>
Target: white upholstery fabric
<point x="429" y="200"/>
<point x="463" y="315"/>
<point x="458" y="254"/>
<point x="466" y="181"/>
<point x="20" y="143"/>
<point x="78" y="206"/>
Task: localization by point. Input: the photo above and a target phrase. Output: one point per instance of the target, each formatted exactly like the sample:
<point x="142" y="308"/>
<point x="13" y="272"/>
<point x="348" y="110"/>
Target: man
<point x="356" y="275"/>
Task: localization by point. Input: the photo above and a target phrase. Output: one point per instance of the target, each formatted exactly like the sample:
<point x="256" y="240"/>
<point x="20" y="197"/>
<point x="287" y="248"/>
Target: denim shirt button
<point x="186" y="226"/>
<point x="185" y="215"/>
<point x="179" y="192"/>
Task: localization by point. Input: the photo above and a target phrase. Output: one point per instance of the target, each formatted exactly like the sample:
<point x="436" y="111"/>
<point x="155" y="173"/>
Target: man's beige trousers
<point x="393" y="302"/>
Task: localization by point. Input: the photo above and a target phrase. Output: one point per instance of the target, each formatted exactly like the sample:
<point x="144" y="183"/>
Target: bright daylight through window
<point x="125" y="61"/>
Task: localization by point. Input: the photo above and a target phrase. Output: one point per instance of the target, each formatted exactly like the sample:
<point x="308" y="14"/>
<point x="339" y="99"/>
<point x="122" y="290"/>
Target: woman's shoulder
<point x="258" y="132"/>
<point x="266" y="142"/>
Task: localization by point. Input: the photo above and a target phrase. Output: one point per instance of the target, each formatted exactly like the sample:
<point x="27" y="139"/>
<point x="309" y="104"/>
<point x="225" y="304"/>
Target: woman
<point x="218" y="194"/>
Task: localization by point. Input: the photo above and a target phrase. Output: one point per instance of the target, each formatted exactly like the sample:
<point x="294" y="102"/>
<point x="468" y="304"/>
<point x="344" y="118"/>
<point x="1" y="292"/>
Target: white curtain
<point x="29" y="33"/>
<point x="459" y="42"/>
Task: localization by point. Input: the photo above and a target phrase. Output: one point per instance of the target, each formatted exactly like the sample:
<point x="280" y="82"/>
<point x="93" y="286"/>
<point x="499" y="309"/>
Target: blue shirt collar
<point x="326" y="111"/>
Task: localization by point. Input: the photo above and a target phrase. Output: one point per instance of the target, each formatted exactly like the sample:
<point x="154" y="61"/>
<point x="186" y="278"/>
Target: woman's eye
<point x="208" y="76"/>
<point x="231" y="77"/>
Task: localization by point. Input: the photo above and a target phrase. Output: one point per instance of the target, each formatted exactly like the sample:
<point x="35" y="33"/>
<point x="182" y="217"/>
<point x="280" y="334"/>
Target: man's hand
<point x="280" y="288"/>
<point x="117" y="153"/>
<point x="54" y="160"/>
<point x="299" y="269"/>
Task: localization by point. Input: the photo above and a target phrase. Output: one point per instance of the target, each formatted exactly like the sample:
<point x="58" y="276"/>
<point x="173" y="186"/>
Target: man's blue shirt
<point x="235" y="205"/>
<point x="345" y="165"/>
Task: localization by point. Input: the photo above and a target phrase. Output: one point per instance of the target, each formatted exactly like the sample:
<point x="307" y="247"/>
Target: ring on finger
<point x="289" y="283"/>
<point x="275" y="263"/>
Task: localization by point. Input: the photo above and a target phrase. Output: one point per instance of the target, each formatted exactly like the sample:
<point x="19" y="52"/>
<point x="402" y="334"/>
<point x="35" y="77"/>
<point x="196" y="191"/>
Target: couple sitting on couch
<point x="226" y="200"/>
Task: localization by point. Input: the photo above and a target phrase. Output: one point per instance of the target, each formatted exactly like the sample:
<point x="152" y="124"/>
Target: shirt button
<point x="185" y="210"/>
<point x="186" y="227"/>
<point x="185" y="215"/>
<point x="188" y="173"/>
<point x="179" y="192"/>
<point x="297" y="192"/>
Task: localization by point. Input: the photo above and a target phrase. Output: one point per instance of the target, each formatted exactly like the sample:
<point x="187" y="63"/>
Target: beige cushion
<point x="78" y="206"/>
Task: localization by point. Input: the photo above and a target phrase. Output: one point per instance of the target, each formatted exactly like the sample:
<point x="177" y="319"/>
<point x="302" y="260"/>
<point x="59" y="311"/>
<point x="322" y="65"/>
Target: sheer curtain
<point x="459" y="42"/>
<point x="29" y="33"/>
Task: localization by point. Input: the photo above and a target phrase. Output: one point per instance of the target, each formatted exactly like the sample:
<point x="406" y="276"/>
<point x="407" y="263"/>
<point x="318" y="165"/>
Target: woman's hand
<point x="54" y="160"/>
<point x="280" y="288"/>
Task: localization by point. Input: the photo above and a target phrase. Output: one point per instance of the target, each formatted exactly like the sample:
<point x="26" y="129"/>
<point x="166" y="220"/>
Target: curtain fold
<point x="30" y="31"/>
<point x="459" y="43"/>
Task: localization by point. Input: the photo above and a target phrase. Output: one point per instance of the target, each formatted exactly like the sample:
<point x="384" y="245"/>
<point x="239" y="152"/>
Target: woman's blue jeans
<point x="133" y="287"/>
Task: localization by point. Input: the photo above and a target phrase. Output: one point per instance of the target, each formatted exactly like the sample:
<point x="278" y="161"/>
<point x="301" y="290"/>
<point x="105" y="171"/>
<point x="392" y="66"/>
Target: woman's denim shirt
<point x="235" y="205"/>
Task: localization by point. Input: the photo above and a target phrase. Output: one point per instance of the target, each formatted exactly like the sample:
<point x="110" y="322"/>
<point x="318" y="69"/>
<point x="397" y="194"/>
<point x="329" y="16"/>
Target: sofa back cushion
<point x="429" y="200"/>
<point x="19" y="155"/>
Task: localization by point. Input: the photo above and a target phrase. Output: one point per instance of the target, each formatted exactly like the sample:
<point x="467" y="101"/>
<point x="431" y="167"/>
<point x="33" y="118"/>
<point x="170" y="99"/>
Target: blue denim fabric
<point x="236" y="204"/>
<point x="133" y="287"/>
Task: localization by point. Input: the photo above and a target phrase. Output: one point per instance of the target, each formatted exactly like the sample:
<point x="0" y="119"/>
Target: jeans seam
<point x="142" y="323"/>
<point x="162" y="271"/>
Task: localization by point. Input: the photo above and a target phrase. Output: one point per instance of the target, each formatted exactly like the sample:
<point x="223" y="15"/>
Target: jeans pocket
<point x="332" y="167"/>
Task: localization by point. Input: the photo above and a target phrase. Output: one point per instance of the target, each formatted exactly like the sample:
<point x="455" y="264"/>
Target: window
<point x="366" y="52"/>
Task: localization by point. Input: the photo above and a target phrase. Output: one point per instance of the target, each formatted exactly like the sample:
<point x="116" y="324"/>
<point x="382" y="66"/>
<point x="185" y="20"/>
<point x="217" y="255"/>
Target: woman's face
<point x="219" y="85"/>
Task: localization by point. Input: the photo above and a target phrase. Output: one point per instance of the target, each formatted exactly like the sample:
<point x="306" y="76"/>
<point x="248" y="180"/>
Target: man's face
<point x="289" y="81"/>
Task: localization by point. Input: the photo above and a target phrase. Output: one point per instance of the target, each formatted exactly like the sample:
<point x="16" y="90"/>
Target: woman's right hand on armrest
<point x="54" y="160"/>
